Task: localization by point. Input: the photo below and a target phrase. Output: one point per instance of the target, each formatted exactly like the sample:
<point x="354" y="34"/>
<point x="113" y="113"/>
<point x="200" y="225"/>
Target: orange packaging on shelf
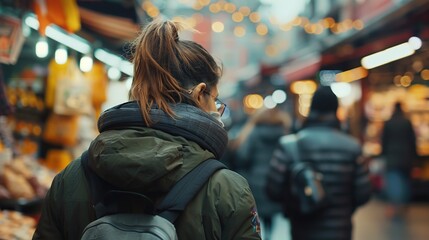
<point x="71" y="11"/>
<point x="55" y="71"/>
<point x="98" y="78"/>
<point x="72" y="92"/>
<point x="61" y="129"/>
<point x="57" y="159"/>
<point x="64" y="13"/>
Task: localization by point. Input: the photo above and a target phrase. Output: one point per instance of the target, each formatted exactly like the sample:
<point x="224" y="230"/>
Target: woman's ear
<point x="198" y="92"/>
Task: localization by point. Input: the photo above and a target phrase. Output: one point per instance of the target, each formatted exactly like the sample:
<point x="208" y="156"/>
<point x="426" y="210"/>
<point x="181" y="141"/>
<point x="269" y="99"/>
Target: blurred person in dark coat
<point x="337" y="156"/>
<point x="399" y="151"/>
<point x="258" y="137"/>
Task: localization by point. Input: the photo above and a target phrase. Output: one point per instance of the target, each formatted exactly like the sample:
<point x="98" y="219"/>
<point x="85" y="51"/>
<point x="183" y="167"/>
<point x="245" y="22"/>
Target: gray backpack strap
<point x="106" y="200"/>
<point x="293" y="148"/>
<point x="186" y="188"/>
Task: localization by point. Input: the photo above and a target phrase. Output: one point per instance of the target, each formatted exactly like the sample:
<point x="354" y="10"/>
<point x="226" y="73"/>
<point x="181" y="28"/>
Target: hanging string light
<point x="243" y="12"/>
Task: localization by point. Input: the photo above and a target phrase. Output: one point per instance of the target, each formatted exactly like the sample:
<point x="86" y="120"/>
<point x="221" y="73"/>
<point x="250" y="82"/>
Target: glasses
<point x="220" y="106"/>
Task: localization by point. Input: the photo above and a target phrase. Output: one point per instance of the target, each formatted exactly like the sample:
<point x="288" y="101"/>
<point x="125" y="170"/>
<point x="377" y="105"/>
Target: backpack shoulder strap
<point x="290" y="144"/>
<point x="173" y="203"/>
<point x="186" y="188"/>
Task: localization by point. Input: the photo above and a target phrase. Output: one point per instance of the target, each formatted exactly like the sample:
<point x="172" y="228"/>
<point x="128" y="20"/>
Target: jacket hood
<point x="141" y="158"/>
<point x="130" y="156"/>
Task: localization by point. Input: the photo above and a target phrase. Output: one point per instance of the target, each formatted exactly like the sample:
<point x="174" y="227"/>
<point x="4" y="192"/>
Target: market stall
<point x="53" y="84"/>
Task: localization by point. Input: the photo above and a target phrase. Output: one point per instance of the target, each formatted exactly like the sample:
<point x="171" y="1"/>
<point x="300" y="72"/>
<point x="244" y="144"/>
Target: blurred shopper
<point x="399" y="150"/>
<point x="171" y="125"/>
<point x="334" y="154"/>
<point x="262" y="131"/>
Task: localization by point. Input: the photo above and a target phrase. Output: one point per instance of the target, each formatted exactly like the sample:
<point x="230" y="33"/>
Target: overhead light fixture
<point x="114" y="61"/>
<point x="351" y="75"/>
<point x="303" y="87"/>
<point x="56" y="33"/>
<point x="127" y="67"/>
<point x="327" y="77"/>
<point x="114" y="74"/>
<point x="341" y="89"/>
<point x="42" y="48"/>
<point x="269" y="102"/>
<point x="107" y="57"/>
<point x="32" y="22"/>
<point x="81" y="45"/>
<point x="129" y="83"/>
<point x="70" y="40"/>
<point x="61" y="55"/>
<point x="279" y="96"/>
<point x="391" y="54"/>
<point x="86" y="63"/>
<point x="415" y="42"/>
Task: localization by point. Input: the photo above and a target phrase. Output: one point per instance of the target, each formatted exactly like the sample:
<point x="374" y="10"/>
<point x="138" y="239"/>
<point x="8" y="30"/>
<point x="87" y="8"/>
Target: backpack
<point x="306" y="190"/>
<point x="130" y="215"/>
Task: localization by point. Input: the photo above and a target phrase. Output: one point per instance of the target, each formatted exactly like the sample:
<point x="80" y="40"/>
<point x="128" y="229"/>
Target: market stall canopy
<point x="114" y="23"/>
<point x="301" y="68"/>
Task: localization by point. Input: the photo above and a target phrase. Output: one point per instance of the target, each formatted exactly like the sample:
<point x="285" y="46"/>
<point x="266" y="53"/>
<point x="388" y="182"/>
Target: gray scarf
<point x="190" y="122"/>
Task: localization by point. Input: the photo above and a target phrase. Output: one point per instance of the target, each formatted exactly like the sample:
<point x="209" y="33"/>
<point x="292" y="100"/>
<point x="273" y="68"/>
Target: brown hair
<point x="165" y="68"/>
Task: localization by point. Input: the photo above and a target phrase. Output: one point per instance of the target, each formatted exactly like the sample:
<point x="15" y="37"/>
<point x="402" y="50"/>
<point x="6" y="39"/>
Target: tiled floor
<point x="370" y="223"/>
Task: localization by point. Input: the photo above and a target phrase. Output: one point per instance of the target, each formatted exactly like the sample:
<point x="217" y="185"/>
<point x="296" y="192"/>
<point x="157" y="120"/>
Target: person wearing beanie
<point x="334" y="154"/>
<point x="324" y="101"/>
<point x="323" y="109"/>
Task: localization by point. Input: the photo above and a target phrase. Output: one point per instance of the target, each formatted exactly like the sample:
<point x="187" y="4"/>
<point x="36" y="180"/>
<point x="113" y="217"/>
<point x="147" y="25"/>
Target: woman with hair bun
<point x="172" y="124"/>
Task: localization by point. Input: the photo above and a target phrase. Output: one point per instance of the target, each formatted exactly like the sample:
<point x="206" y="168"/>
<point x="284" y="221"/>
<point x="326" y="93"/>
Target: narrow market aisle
<point x="370" y="223"/>
<point x="281" y="229"/>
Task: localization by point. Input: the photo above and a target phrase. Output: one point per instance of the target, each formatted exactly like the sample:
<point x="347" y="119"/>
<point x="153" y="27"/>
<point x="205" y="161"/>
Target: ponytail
<point x="165" y="68"/>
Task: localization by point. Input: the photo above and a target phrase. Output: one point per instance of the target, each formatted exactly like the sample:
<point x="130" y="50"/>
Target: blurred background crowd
<point x="64" y="62"/>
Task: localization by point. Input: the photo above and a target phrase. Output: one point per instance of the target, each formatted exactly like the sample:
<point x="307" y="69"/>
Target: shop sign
<point x="11" y="39"/>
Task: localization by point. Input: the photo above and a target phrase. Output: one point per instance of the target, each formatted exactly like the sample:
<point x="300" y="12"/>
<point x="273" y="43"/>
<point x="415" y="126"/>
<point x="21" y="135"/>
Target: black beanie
<point x="324" y="101"/>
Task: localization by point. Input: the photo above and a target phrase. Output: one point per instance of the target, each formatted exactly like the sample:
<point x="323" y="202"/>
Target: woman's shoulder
<point x="226" y="180"/>
<point x="230" y="191"/>
<point x="70" y="179"/>
<point x="73" y="169"/>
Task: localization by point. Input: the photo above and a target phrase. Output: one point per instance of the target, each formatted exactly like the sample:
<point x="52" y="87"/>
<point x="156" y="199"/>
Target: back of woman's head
<point x="165" y="68"/>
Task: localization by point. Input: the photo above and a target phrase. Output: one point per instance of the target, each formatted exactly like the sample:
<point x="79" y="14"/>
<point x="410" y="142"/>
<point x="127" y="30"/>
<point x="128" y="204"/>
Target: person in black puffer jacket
<point x="338" y="157"/>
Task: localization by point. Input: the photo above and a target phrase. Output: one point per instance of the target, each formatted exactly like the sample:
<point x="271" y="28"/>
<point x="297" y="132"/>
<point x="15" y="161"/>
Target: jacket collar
<point x="316" y="119"/>
<point x="190" y="122"/>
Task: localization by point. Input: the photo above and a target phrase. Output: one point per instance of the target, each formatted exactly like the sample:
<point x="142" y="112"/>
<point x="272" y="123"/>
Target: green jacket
<point x="150" y="161"/>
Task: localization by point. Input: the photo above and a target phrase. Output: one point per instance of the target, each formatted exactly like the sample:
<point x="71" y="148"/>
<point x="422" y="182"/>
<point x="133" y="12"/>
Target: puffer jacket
<point x="147" y="160"/>
<point x="346" y="182"/>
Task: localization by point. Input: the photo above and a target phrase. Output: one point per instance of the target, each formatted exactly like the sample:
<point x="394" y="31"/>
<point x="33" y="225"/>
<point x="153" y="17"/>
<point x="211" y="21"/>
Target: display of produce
<point x="23" y="183"/>
<point x="14" y="225"/>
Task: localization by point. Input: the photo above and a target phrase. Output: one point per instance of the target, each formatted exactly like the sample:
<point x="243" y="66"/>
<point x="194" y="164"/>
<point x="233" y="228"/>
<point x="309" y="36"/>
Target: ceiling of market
<point x="114" y="23"/>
